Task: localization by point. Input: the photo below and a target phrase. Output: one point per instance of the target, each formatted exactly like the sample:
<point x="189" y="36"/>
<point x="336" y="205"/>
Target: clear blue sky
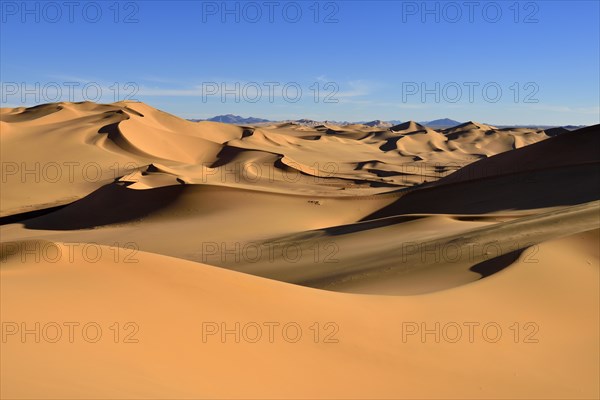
<point x="369" y="60"/>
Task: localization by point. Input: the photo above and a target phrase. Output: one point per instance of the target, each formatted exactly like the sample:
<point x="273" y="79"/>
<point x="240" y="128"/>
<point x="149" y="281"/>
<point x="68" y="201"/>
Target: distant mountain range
<point x="437" y="123"/>
<point x="233" y="119"/>
<point x="378" y="123"/>
<point x="442" y="123"/>
<point x="236" y="119"/>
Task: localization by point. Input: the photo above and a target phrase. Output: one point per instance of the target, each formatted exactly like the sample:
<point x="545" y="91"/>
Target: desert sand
<point x="147" y="256"/>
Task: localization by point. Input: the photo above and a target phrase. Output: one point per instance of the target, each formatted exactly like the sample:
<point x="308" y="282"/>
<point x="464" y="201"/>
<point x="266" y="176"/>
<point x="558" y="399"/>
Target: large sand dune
<point x="362" y="237"/>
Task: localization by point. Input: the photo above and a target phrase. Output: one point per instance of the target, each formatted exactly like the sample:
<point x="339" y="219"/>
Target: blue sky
<point x="502" y="62"/>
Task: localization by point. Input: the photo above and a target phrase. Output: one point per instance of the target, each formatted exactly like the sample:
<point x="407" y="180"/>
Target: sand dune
<point x="124" y="213"/>
<point x="95" y="144"/>
<point x="167" y="301"/>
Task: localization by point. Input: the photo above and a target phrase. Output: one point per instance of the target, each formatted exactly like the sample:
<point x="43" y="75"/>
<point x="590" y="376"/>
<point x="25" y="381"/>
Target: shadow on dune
<point x="571" y="148"/>
<point x="111" y="204"/>
<point x="227" y="155"/>
<point x="538" y="189"/>
<point x="560" y="171"/>
<point x="390" y="144"/>
<point x="496" y="264"/>
<point x="16" y="218"/>
<point x="367" y="225"/>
